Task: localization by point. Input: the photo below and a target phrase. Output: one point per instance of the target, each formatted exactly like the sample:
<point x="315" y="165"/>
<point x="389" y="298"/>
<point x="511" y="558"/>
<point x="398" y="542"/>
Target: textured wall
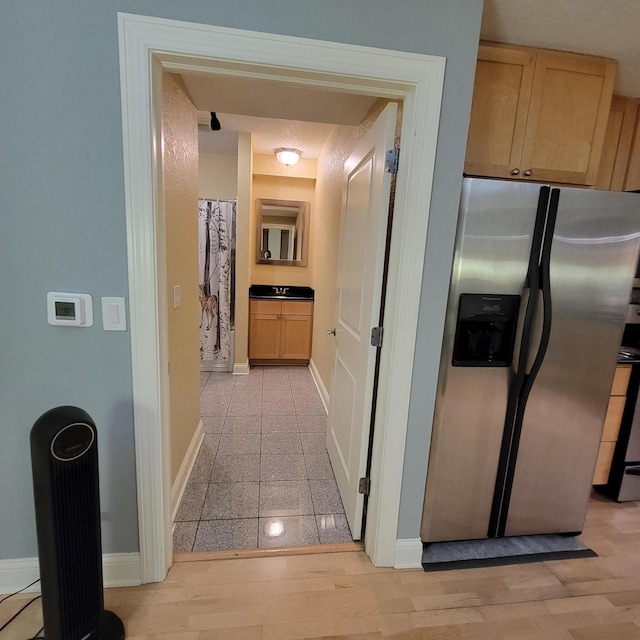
<point x="280" y="188"/>
<point x="62" y="223"/>
<point x="243" y="256"/>
<point x="217" y="176"/>
<point x="180" y="183"/>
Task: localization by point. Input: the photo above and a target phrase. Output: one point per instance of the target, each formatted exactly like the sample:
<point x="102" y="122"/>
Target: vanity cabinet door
<point x="296" y="337"/>
<point x="265" y="334"/>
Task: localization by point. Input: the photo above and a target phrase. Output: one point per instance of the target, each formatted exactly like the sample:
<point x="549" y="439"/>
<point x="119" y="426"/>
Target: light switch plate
<point x="114" y="317"/>
<point x="177" y="296"/>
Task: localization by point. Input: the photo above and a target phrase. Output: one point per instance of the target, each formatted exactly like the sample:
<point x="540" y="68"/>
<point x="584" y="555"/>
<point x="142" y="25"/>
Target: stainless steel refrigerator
<point x="540" y="286"/>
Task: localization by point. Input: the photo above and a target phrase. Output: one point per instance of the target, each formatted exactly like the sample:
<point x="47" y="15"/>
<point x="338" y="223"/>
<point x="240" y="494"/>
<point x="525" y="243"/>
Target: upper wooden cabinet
<point x="617" y="144"/>
<point x="538" y="115"/>
<point x="632" y="181"/>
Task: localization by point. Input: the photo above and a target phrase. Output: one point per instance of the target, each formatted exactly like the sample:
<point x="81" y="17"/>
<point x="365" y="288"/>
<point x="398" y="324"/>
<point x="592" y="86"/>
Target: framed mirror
<point x="283" y="232"/>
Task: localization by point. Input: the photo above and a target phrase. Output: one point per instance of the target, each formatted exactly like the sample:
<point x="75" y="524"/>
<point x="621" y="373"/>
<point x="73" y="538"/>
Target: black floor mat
<point x="439" y="556"/>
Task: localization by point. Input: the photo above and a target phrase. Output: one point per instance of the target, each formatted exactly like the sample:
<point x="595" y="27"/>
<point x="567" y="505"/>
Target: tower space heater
<point x="64" y="460"/>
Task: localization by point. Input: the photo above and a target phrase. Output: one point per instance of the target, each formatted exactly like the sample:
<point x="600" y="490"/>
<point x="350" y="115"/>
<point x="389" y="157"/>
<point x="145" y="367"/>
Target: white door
<point x="363" y="231"/>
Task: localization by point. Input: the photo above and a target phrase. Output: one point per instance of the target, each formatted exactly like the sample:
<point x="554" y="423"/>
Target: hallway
<point x="262" y="478"/>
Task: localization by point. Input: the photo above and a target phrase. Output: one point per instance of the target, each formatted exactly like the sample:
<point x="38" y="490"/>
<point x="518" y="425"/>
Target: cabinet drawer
<point x="297" y="308"/>
<point x="613" y="419"/>
<point x="269" y="307"/>
<point x="603" y="465"/>
<point x="621" y="380"/>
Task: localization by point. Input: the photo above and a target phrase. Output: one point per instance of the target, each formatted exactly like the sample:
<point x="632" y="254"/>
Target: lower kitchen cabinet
<point x="280" y="331"/>
<point x="612" y="423"/>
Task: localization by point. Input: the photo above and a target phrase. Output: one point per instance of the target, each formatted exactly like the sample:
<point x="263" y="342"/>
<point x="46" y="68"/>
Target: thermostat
<point x="69" y="309"/>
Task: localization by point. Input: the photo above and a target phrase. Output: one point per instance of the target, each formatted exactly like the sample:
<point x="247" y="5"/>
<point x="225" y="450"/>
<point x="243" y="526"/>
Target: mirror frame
<point x="305" y="209"/>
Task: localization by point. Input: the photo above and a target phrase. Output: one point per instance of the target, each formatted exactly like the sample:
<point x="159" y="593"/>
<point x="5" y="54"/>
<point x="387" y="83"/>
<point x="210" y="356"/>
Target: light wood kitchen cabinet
<point x="612" y="423"/>
<point x="538" y="115"/>
<point x="614" y="160"/>
<point x="632" y="181"/>
<point x="280" y="331"/>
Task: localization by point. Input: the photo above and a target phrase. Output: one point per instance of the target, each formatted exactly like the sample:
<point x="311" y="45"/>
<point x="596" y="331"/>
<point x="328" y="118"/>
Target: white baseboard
<point x="208" y="366"/>
<point x="408" y="554"/>
<point x="119" y="570"/>
<point x="180" y="483"/>
<point x="322" y="390"/>
<point x="241" y="368"/>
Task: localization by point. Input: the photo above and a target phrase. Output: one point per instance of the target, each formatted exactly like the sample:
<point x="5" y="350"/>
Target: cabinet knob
<point x="515" y="172"/>
<point x="527" y="172"/>
<point x="332" y="331"/>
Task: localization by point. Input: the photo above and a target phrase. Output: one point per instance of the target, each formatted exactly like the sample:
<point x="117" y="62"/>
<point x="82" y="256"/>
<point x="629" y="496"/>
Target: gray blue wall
<point x="62" y="221"/>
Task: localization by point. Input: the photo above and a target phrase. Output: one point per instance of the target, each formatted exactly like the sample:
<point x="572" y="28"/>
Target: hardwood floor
<point x="340" y="596"/>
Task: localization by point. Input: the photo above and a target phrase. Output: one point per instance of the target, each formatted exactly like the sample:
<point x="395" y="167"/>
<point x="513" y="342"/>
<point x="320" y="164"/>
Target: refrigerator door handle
<point x="518" y="376"/>
<point x="530" y="378"/>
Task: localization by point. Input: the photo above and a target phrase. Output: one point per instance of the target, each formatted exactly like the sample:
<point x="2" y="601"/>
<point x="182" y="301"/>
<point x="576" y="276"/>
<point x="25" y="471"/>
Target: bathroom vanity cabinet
<point x="280" y="331"/>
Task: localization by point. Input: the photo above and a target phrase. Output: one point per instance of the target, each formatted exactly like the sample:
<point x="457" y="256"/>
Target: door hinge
<point x="391" y="160"/>
<point x="364" y="486"/>
<point x="376" y="336"/>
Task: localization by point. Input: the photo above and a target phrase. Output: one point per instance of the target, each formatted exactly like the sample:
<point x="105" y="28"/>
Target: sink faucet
<point x="281" y="291"/>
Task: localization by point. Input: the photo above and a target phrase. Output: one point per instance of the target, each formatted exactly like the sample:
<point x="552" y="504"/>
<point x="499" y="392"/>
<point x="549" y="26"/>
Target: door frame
<point x="147" y="46"/>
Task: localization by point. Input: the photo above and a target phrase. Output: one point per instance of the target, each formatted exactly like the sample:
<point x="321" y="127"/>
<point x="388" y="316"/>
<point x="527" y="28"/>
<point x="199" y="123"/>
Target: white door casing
<point x="363" y="230"/>
<point x="147" y="47"/>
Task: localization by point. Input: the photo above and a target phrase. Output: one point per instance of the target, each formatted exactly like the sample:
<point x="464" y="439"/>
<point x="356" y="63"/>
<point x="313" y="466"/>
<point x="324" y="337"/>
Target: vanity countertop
<point x="280" y="292"/>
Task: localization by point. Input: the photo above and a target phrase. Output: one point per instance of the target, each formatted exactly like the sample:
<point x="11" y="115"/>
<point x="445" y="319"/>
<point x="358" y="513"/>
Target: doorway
<point x="147" y="45"/>
<point x="263" y="477"/>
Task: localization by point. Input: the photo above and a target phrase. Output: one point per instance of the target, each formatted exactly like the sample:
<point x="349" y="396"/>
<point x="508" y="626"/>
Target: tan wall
<point x="217" y="176"/>
<point x="180" y="179"/>
<point x="243" y="241"/>
<point x="268" y="166"/>
<point x="280" y="188"/>
<point x="325" y="227"/>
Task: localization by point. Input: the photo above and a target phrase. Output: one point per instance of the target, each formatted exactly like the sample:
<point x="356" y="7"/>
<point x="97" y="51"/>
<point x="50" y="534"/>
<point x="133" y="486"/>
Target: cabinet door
<point x="499" y="111"/>
<point x="617" y="144"/>
<point x="296" y="337"/>
<point x="570" y="102"/>
<point x="264" y="337"/>
<point x="632" y="182"/>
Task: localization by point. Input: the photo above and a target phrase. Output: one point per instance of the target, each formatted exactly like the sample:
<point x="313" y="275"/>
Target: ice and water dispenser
<point x="485" y="330"/>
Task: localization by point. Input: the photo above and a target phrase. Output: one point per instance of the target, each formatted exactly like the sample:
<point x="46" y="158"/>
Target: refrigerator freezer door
<point x="495" y="229"/>
<point x="593" y="258"/>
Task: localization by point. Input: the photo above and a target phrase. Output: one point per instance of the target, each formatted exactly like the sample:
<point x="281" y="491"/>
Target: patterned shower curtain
<point x="216" y="235"/>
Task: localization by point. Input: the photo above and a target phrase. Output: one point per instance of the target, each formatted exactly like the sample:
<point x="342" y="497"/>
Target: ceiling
<point x="286" y="115"/>
<point x="277" y="114"/>
<point x="609" y="28"/>
<point x="266" y="134"/>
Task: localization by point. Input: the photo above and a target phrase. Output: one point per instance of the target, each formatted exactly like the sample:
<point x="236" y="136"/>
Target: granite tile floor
<point x="262" y="478"/>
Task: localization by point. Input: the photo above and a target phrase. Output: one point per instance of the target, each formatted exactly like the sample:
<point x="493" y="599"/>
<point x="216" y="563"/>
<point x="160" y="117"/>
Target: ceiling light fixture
<point x="287" y="156"/>
<point x="215" y="123"/>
